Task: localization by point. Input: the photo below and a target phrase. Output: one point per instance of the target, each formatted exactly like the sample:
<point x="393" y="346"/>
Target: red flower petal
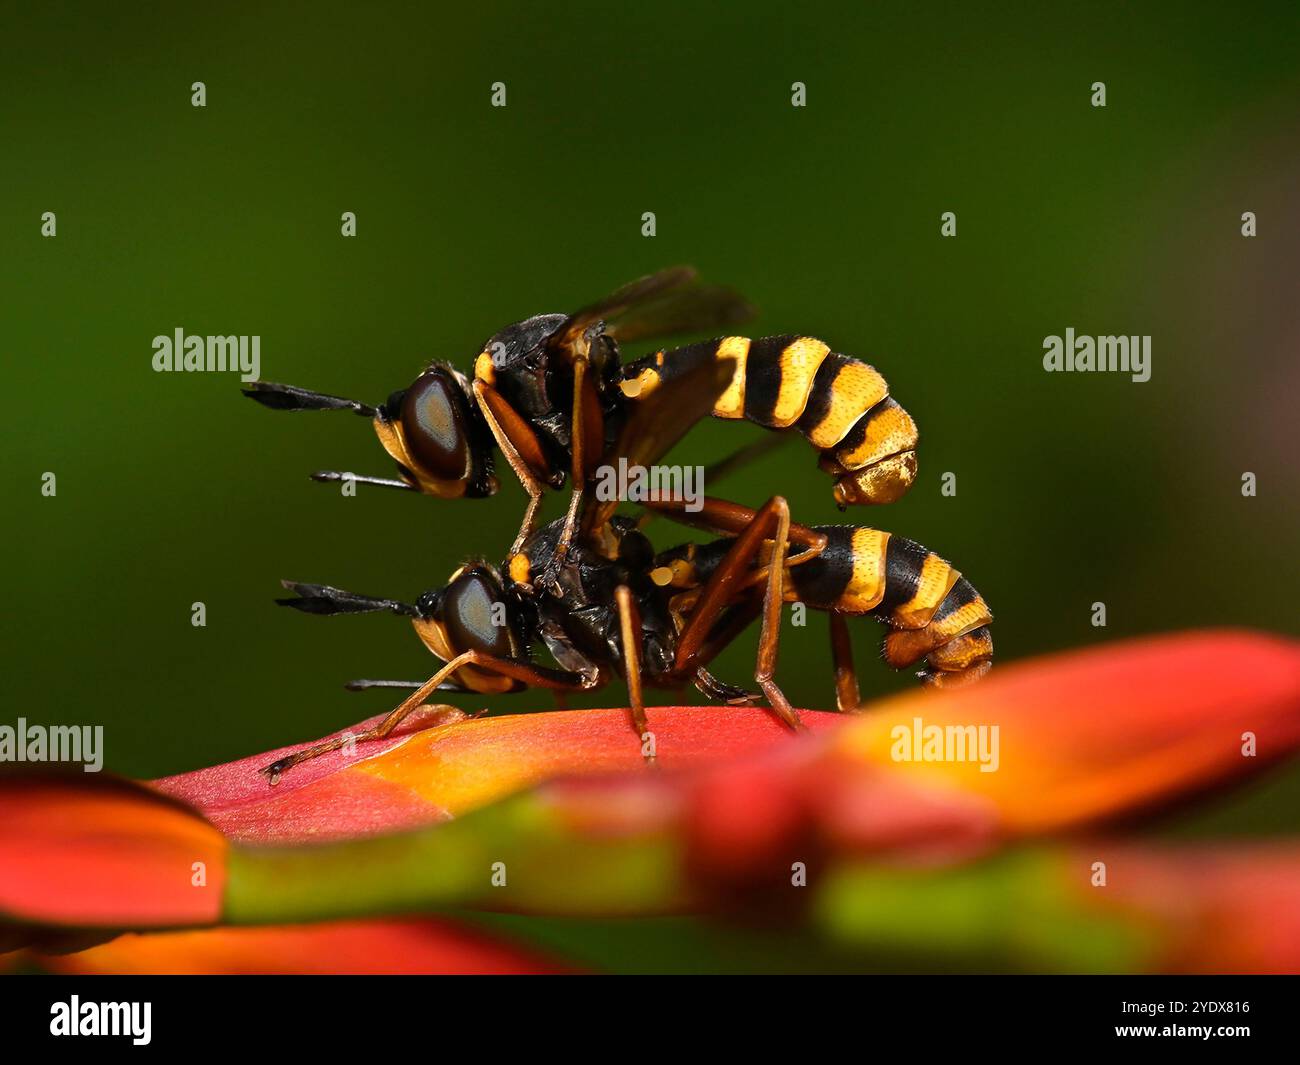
<point x="1083" y="736"/>
<point x="86" y="851"/>
<point x="393" y="947"/>
<point x="445" y="764"/>
<point x="1091" y="733"/>
<point x="1212" y="908"/>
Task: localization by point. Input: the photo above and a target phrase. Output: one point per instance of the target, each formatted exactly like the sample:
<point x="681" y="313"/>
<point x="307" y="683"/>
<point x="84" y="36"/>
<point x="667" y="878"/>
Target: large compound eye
<point x="473" y="613"/>
<point x="434" y="420"/>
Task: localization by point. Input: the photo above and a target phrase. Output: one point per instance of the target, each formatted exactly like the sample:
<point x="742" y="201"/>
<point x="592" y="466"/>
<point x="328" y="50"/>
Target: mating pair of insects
<point x="552" y="394"/>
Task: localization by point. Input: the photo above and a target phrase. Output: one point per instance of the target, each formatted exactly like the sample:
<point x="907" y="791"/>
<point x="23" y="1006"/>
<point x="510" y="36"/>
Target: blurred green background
<point x="1071" y="489"/>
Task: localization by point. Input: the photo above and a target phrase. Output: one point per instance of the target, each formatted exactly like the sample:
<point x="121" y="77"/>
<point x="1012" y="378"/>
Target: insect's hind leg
<point x="771" y="521"/>
<point x="629" y="618"/>
<point x="847" y="696"/>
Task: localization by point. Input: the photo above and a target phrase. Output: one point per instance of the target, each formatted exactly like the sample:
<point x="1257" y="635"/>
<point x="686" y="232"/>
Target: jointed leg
<point x="723" y="518"/>
<point x="707" y="684"/>
<point x="847" y="697"/>
<point x="629" y="618"/>
<point x="578" y="447"/>
<point x="769" y="639"/>
<point x="487" y="398"/>
<point x="729" y="580"/>
<point x="537" y="676"/>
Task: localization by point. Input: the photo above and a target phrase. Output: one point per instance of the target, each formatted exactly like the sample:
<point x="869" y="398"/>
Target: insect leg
<point x="537" y="676"/>
<point x="728" y="580"/>
<point x="514" y="438"/>
<point x="723" y="518"/>
<point x="770" y="636"/>
<point x="707" y="684"/>
<point x="629" y="618"/>
<point x="586" y="432"/>
<point x="847" y="697"/>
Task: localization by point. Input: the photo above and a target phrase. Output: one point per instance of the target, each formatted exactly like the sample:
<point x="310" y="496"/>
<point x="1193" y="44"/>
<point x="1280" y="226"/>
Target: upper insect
<point x="552" y="394"/>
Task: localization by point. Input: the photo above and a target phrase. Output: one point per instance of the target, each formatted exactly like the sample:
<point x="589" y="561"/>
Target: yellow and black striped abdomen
<point x="842" y="405"/>
<point x="935" y="612"/>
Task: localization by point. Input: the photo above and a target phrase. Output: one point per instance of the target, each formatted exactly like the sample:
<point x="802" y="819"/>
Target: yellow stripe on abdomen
<point x="866" y="586"/>
<point x="933" y="584"/>
<point x="886" y="430"/>
<point x="855" y="389"/>
<point x="799" y="364"/>
<point x="731" y="404"/>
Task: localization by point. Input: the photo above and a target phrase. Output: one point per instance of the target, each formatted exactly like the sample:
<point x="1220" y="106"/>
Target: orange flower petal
<point x="86" y="851"/>
<point x="1086" y="734"/>
<point x="445" y="764"/>
<point x="393" y="947"/>
<point x="1083" y="736"/>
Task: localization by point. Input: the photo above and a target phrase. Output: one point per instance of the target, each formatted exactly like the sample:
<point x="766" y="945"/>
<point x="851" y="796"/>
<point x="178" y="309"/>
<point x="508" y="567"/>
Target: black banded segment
<point x="961" y="594"/>
<point x="821" y="582"/>
<point x="763" y="377"/>
<point x="904" y="560"/>
<point x="822" y="395"/>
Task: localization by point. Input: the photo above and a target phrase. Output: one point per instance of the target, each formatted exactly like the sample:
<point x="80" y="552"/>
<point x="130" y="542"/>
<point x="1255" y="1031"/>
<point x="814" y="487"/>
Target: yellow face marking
<point x="662" y="576"/>
<point x="434" y="636"/>
<point x="731" y="404"/>
<point x="485" y="369"/>
<point x="520" y="569"/>
<point x="393" y="439"/>
<point x="889" y="431"/>
<point x="866" y="587"/>
<point x="935" y="582"/>
<point x="799" y="363"/>
<point x="642" y="384"/>
<point x="856" y="389"/>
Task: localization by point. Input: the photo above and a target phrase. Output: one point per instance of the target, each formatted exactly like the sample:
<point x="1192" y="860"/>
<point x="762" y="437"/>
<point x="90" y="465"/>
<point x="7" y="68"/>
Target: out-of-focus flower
<point x="87" y="851"/>
<point x="440" y="764"/>
<point x="382" y="946"/>
<point x="920" y="826"/>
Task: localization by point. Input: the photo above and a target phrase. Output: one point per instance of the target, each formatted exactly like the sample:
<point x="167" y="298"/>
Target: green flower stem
<point x="1028" y="910"/>
<point x="514" y="856"/>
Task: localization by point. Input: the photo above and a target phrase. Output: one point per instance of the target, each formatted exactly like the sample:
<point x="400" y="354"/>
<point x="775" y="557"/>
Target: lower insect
<point x="657" y="619"/>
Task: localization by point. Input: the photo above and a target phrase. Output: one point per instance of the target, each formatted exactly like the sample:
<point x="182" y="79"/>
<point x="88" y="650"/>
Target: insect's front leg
<point x="529" y="674"/>
<point x="522" y="450"/>
<point x="585" y="435"/>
